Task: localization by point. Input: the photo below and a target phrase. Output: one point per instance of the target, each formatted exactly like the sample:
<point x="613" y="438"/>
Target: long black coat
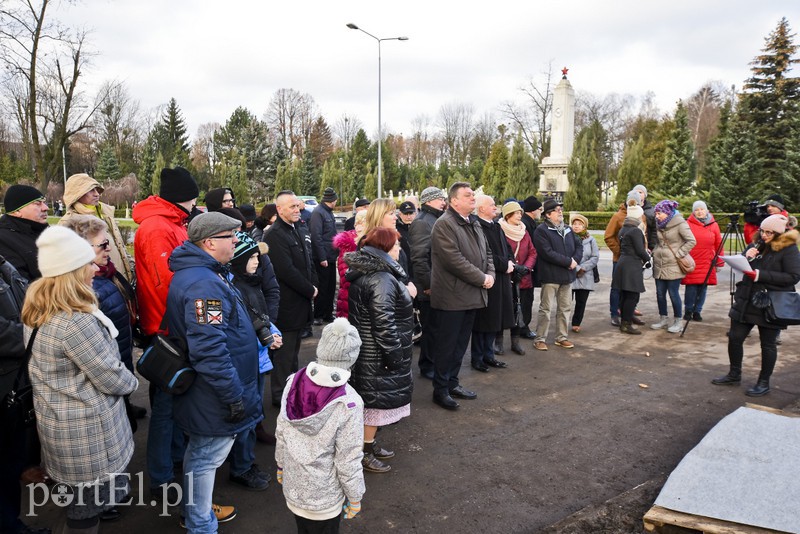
<point x="290" y="253"/>
<point x="530" y="227"/>
<point x="499" y="314"/>
<point x="380" y="308"/>
<point x="628" y="274"/>
<point x="778" y="270"/>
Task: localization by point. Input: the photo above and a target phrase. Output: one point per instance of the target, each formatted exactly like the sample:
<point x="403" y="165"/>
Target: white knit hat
<point x="635" y="212"/>
<point x="339" y="345"/>
<point x="62" y="251"/>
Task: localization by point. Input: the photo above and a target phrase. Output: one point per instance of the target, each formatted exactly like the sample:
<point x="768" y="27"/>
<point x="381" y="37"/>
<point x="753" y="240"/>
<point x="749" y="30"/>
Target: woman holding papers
<point x="775" y="263"/>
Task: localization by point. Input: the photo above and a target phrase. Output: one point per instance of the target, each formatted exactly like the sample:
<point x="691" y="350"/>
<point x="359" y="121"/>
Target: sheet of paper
<point x="737" y="263"/>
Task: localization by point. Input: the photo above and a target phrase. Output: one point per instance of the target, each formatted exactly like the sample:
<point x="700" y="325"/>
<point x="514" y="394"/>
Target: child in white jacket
<point x="320" y="435"/>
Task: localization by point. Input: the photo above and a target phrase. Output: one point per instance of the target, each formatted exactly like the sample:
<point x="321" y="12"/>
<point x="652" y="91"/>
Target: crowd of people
<point x="238" y="290"/>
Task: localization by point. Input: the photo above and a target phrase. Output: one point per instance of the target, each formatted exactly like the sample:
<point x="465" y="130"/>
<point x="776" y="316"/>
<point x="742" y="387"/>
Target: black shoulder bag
<point x="17" y="406"/>
<point x="166" y="365"/>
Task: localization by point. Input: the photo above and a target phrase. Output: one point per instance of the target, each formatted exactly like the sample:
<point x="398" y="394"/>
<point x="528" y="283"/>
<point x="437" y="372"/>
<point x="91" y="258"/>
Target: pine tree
<point x="677" y="172"/>
<point x="495" y="173"/>
<point x="732" y="162"/>
<point x="770" y="103"/>
<point x="631" y="169"/>
<point x="148" y="165"/>
<point x="170" y="136"/>
<point x="309" y="176"/>
<point x="523" y="172"/>
<point x="155" y="178"/>
<point x="107" y="167"/>
<point x="583" y="194"/>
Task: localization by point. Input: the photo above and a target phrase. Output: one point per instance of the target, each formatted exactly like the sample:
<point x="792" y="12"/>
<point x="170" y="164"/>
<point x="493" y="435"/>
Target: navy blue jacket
<point x="114" y="306"/>
<point x="204" y="311"/>
<point x="322" y="227"/>
<point x="554" y="254"/>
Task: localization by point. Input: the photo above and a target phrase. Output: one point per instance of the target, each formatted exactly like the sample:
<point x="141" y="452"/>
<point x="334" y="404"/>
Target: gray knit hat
<point x="634" y="195"/>
<point x="431" y="193"/>
<point x="339" y="345"/>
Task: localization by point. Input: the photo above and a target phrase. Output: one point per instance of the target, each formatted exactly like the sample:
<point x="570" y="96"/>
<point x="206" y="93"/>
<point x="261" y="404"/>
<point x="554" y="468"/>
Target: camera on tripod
<point x="755" y="212"/>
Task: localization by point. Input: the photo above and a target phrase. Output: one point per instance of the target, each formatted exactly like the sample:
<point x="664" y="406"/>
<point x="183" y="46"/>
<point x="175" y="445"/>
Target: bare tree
<point x="456" y="128"/>
<point x="44" y="62"/>
<point x="532" y="118"/>
<point x="614" y="112"/>
<point x="345" y="130"/>
<point x="291" y="115"/>
<point x="703" y="110"/>
<point x="421" y="150"/>
<point x="202" y="154"/>
<point x="486" y="130"/>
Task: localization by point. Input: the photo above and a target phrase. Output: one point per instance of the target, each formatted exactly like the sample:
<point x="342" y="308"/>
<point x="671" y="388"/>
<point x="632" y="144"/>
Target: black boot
<point x="516" y="347"/>
<point x="733" y="378"/>
<point x="761" y="388"/>
<point x="627" y="328"/>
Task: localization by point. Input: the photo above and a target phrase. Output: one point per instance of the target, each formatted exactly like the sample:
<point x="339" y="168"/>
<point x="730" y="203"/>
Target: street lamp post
<point x="380" y="133"/>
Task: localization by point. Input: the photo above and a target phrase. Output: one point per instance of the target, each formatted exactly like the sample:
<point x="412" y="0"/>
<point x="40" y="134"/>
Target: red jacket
<point x="162" y="227"/>
<point x="708" y="240"/>
<point x="526" y="255"/>
<point x="345" y="242"/>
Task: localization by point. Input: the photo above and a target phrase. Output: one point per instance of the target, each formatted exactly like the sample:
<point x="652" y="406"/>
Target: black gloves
<point x="237" y="412"/>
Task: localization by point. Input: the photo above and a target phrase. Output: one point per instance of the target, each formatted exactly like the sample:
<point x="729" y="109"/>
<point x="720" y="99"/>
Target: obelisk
<point x="554" y="180"/>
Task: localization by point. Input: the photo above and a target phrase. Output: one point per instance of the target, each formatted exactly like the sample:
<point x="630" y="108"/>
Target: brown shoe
<point x="540" y="345"/>
<point x="637" y="321"/>
<point x="565" y="343"/>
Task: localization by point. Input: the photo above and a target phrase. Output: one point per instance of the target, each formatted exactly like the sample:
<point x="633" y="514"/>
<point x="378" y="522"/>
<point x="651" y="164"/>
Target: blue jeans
<point x="673" y="287"/>
<point x="243" y="453"/>
<point x="694" y="296"/>
<point x="165" y="442"/>
<point x="613" y="296"/>
<point x="204" y="454"/>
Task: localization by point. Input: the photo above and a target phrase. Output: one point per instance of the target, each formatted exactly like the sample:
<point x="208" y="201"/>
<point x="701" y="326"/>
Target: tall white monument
<point x="554" y="179"/>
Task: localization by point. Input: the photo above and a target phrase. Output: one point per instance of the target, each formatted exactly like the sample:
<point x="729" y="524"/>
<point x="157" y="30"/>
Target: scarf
<point x="583" y="235"/>
<point x="106" y="271"/>
<point x="705" y="220"/>
<point x="513" y="232"/>
<point x="87" y="209"/>
<point x="106" y="322"/>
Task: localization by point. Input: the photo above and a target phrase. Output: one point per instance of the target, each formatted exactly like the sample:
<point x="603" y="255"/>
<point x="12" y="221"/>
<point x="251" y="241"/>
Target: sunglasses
<point x="105" y="245"/>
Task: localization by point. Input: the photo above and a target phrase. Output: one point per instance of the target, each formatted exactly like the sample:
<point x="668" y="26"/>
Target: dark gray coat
<point x="460" y="261"/>
<point x="628" y="274"/>
<point x="420" y="240"/>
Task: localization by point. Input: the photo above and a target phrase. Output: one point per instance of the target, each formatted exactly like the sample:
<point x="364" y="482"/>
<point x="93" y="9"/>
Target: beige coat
<point x="77" y="186"/>
<point x="681" y="239"/>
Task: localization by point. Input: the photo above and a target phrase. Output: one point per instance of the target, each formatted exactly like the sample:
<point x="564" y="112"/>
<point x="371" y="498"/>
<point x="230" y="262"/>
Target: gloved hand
<point x="237" y="412"/>
<point x="752" y="275"/>
<point x="279" y="475"/>
<point x="351" y="509"/>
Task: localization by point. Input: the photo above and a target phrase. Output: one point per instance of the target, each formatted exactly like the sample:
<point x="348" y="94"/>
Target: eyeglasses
<point x="229" y="236"/>
<point x="105" y="245"/>
<point x="767" y="232"/>
<point x="227" y="201"/>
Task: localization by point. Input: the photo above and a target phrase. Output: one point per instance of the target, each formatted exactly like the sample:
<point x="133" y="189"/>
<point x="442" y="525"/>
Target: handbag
<point x="686" y="264"/>
<point x="17" y="406"/>
<point x="166" y="365"/>
<point x="783" y="308"/>
<point x="416" y="332"/>
<point x="596" y="274"/>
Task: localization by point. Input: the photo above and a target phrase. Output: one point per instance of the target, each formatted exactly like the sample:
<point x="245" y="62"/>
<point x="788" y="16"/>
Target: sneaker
<point x="676" y="326"/>
<point x="540" y="345"/>
<point x="662" y="323"/>
<point x="565" y="343"/>
<point x="250" y="479"/>
<point x="373" y="465"/>
<point x="222" y="513"/>
<point x="615" y="320"/>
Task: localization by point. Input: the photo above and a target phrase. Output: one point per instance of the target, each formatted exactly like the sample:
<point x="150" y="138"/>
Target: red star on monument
<point x="564" y="71"/>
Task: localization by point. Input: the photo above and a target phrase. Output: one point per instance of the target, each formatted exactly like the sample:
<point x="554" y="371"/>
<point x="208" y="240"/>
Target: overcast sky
<point x="213" y="56"/>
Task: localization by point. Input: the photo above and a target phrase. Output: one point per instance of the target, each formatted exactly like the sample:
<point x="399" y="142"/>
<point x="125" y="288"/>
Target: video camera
<point x="755" y="212"/>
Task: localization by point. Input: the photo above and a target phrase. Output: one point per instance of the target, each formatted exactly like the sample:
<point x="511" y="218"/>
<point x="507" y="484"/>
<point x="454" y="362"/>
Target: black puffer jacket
<point x="381" y="310"/>
<point x="778" y="269"/>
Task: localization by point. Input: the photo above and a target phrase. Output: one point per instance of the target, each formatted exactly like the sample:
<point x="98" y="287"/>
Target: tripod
<point x="735" y="247"/>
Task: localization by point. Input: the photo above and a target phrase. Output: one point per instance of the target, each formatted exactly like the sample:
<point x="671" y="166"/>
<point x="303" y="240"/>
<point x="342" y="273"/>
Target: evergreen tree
<point x="791" y="169"/>
<point x="631" y="169"/>
<point x="107" y="167"/>
<point x="148" y="166"/>
<point x="732" y="162"/>
<point x="309" y="176"/>
<point x="677" y="172"/>
<point x="171" y="137"/>
<point x="155" y="178"/>
<point x="288" y="176"/>
<point x="583" y="194"/>
<point x="523" y="172"/>
<point x="495" y="173"/>
<point x="370" y="185"/>
<point x="770" y="103"/>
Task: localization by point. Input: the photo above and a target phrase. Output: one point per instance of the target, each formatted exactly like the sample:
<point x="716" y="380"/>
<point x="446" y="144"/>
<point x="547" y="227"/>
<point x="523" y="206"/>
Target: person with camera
<point x="519" y="240"/>
<point x="627" y="277"/>
<point x="775" y="264"/>
<point x="206" y="314"/>
<point x="584" y="278"/>
<point x="756" y="213"/>
<point x="491" y="321"/>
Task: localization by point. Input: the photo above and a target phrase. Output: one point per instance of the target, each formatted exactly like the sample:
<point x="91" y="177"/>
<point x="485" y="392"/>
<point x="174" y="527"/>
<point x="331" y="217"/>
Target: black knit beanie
<point x="18" y="196"/>
<point x="177" y="185"/>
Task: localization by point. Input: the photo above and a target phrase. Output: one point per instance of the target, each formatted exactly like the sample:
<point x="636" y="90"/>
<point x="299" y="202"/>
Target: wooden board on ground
<point x="662" y="520"/>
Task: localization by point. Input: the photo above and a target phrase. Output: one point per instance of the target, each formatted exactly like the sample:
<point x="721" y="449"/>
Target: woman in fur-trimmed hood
<point x="775" y="264"/>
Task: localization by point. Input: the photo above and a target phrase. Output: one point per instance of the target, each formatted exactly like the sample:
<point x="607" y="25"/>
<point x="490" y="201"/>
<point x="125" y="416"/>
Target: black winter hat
<point x="18" y="196"/>
<point x="177" y="185"/>
<point x="249" y="212"/>
<point x="777" y="201"/>
<point x="531" y="204"/>
<point x="329" y="195"/>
